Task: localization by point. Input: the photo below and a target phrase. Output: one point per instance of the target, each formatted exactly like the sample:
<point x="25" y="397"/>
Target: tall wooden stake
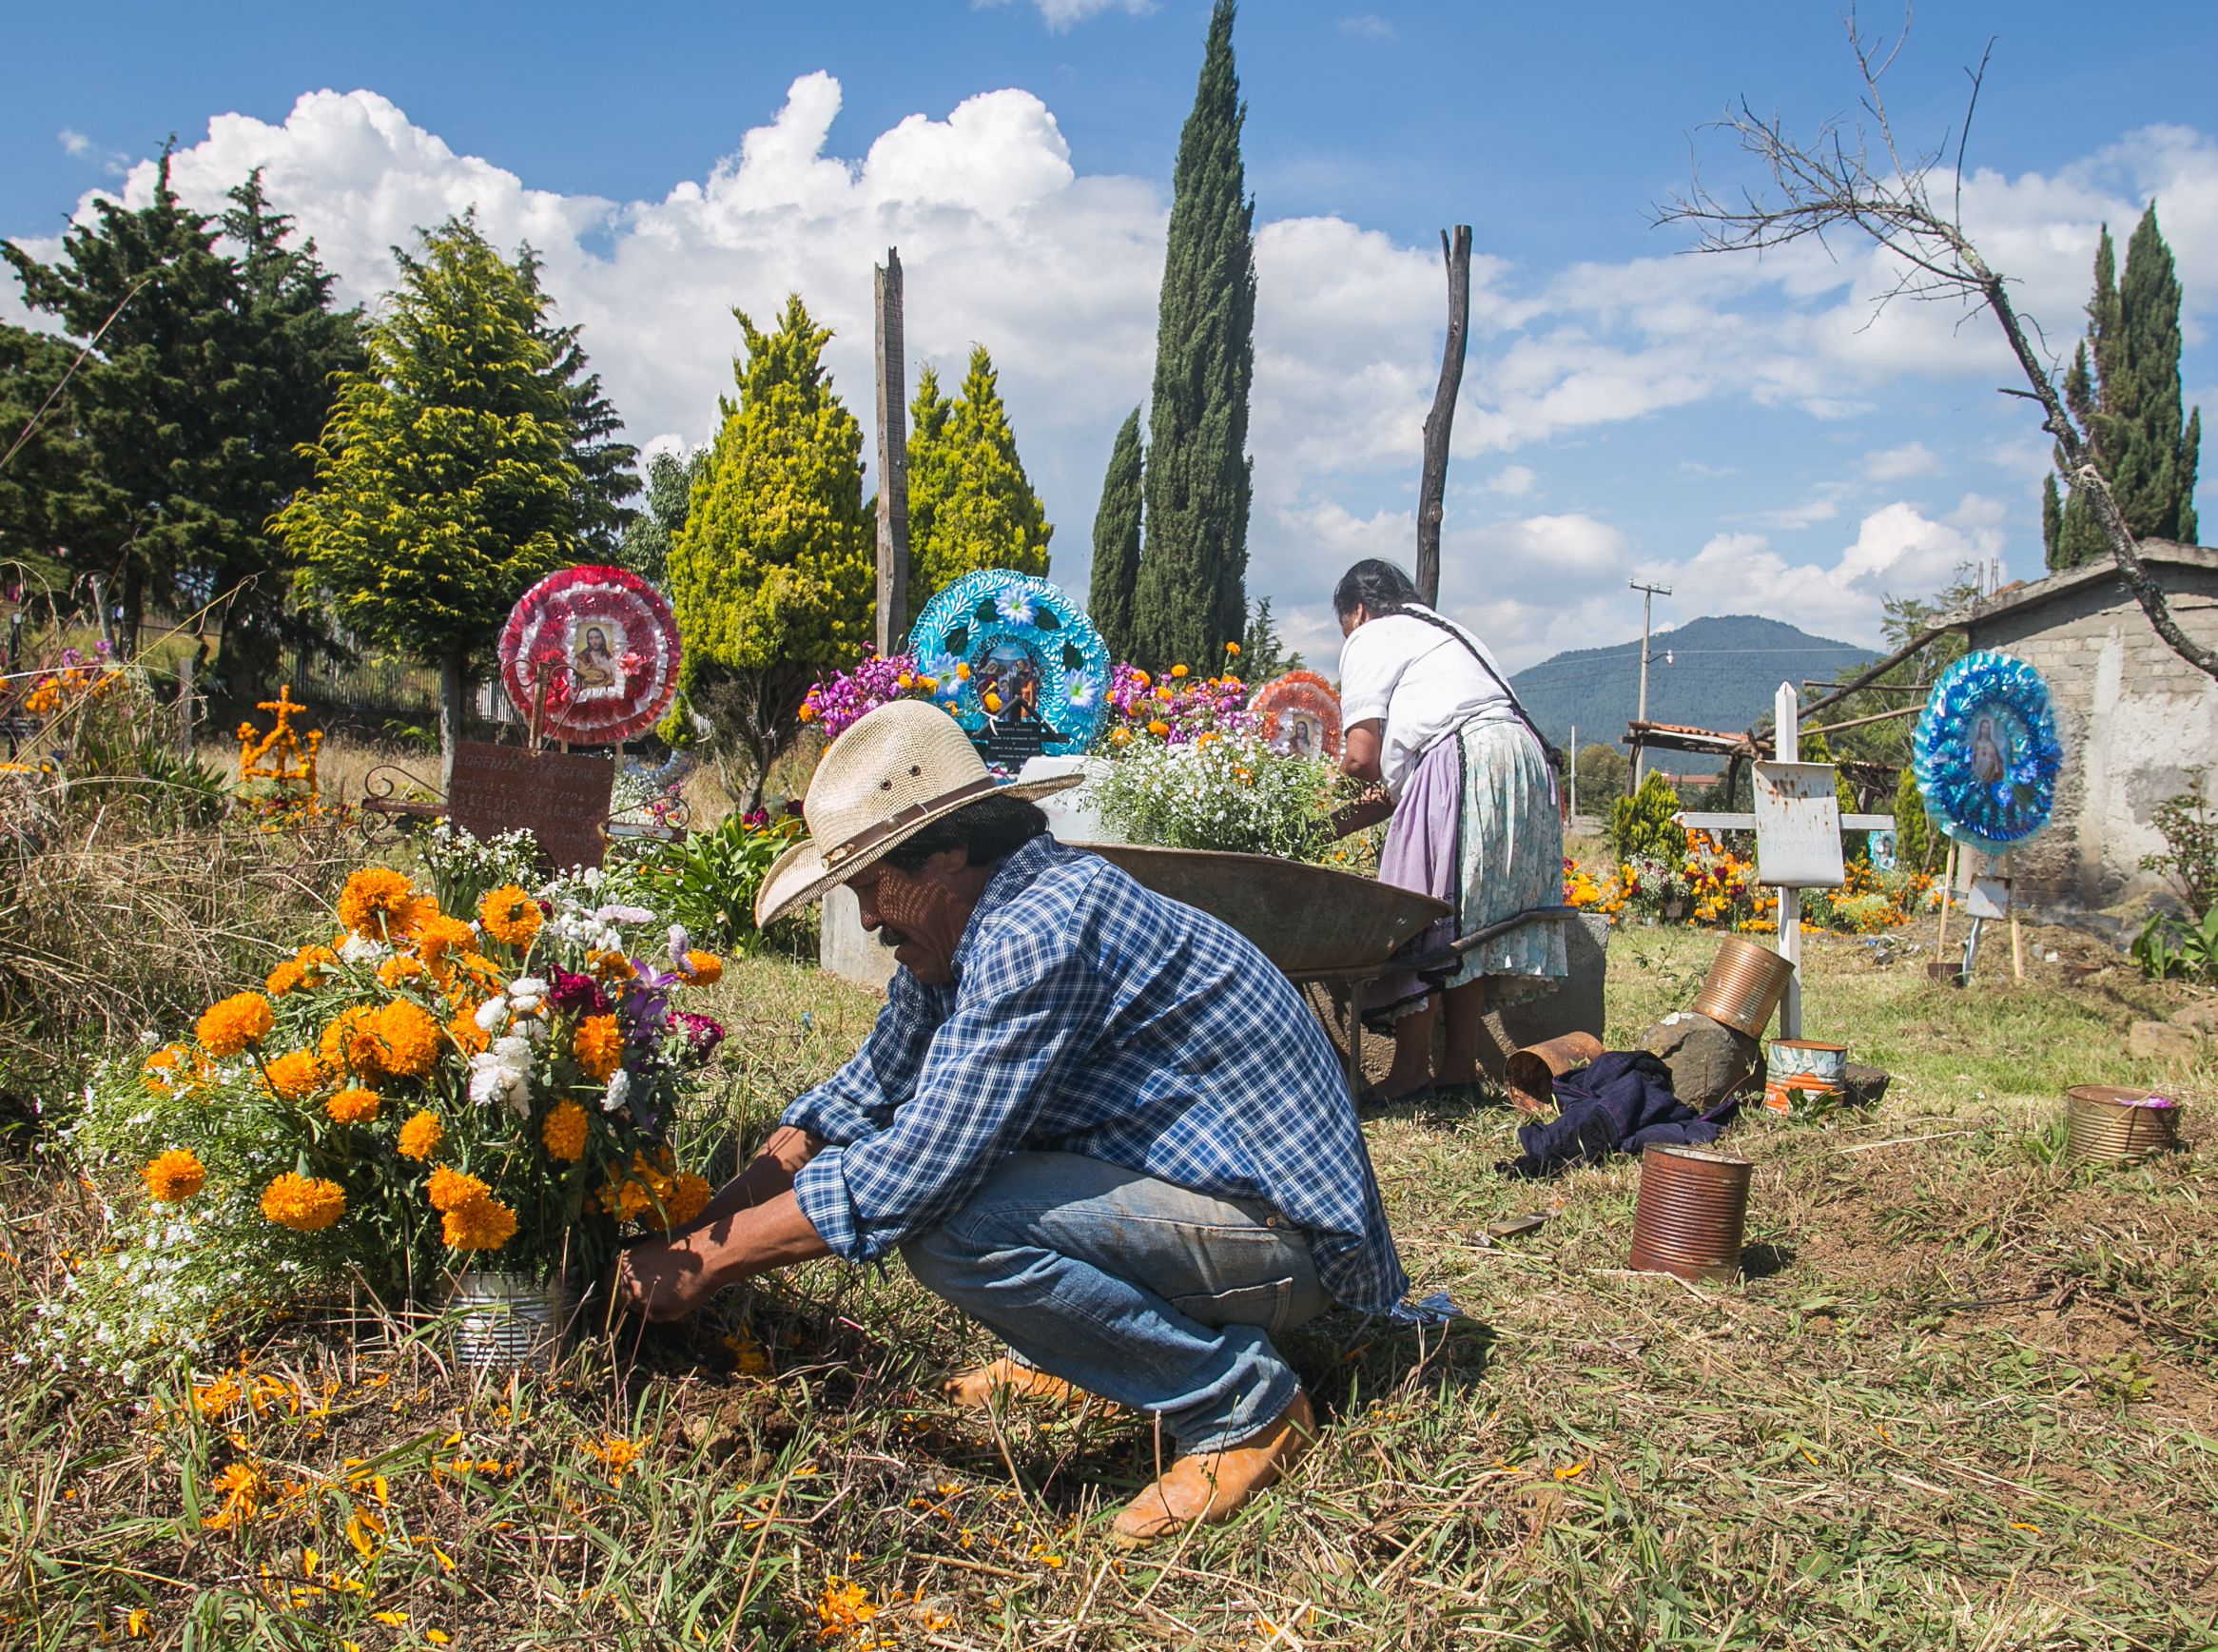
<point x="1787" y="747"/>
<point x="1433" y="486"/>
<point x="892" y="460"/>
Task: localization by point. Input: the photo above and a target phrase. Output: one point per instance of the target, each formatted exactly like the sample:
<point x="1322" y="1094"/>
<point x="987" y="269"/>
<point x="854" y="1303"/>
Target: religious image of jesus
<point x="596" y="663"/>
<point x="1987" y="760"/>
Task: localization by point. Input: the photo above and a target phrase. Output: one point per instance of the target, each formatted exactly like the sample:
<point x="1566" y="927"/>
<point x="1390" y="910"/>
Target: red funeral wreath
<point x="1298" y="710"/>
<point x="604" y="646"/>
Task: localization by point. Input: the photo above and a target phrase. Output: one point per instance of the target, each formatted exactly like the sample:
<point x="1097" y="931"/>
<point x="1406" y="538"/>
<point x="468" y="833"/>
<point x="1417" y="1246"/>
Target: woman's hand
<point x="1360" y="747"/>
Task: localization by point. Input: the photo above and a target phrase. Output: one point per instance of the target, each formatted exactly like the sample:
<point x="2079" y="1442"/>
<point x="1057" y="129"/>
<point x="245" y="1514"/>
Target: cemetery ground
<point x="1965" y="1395"/>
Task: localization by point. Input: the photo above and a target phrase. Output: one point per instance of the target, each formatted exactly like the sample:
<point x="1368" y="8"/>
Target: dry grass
<point x="1965" y="1397"/>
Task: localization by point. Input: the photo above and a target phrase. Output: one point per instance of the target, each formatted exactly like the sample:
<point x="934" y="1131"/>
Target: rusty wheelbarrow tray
<point x="1316" y="924"/>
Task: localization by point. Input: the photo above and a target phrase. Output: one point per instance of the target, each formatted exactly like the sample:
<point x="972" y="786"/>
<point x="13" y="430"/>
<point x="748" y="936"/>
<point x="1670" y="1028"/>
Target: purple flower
<point x="701" y="1035"/>
<point x="577" y="994"/>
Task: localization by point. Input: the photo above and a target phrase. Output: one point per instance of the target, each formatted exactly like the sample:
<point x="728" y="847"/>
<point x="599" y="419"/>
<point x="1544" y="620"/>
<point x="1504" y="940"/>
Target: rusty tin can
<point x="2109" y="1123"/>
<point x="1692" y="1210"/>
<point x="1530" y="1072"/>
<point x="1743" y="986"/>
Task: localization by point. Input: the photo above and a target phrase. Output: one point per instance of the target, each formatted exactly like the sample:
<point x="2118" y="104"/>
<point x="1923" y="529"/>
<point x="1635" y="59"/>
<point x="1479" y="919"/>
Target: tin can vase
<point x="1692" y="1210"/>
<point x="1530" y="1074"/>
<point x="1743" y="986"/>
<point x="1794" y="1066"/>
<point x="506" y="1321"/>
<point x="2109" y="1123"/>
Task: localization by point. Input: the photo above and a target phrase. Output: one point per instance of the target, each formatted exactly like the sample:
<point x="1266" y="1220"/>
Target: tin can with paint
<point x="1692" y="1210"/>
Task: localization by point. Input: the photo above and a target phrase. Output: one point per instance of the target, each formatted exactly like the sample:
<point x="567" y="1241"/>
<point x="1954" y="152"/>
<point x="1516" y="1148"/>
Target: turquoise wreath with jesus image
<point x="1018" y="663"/>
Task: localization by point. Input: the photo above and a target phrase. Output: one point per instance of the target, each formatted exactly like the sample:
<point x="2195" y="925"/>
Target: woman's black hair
<point x="989" y="828"/>
<point x="1377" y="586"/>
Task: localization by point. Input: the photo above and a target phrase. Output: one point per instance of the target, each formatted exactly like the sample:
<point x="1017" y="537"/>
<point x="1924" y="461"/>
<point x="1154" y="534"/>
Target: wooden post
<point x="1940" y="942"/>
<point x="2018" y="949"/>
<point x="892" y="460"/>
<point x="1786" y="746"/>
<point x="184" y="664"/>
<point x="1432" y="484"/>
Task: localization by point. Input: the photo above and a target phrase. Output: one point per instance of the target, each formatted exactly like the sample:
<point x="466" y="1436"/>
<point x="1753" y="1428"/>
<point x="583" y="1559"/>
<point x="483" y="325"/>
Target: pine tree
<point x="1191" y="597"/>
<point x="1117" y="521"/>
<point x="606" y="474"/>
<point x="1263" y="652"/>
<point x="184" y="424"/>
<point x="773" y="575"/>
<point x="443" y="484"/>
<point x="2123" y="389"/>
<point x="970" y="505"/>
<point x="645" y="547"/>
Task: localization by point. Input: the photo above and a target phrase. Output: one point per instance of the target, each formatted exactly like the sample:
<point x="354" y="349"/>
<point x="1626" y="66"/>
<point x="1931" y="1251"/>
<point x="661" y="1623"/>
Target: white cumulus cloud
<point x="1062" y="15"/>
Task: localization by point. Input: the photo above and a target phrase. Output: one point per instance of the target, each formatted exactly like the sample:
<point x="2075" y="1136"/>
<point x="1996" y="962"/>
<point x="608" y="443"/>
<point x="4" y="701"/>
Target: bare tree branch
<point x="1831" y="183"/>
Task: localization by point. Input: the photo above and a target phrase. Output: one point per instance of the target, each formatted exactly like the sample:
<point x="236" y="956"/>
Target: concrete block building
<point x="2136" y="721"/>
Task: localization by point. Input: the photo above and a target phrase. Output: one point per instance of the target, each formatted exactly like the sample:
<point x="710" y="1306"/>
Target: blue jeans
<point x="1147" y="1293"/>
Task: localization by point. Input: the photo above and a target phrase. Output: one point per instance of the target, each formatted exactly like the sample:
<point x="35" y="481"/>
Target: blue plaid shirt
<point x="1089" y="1016"/>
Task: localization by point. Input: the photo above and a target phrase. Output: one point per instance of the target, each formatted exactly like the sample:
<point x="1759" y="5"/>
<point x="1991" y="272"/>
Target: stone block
<point x="845" y="948"/>
<point x="2199" y="1018"/>
<point x="2161" y="1042"/>
<point x="1708" y="1059"/>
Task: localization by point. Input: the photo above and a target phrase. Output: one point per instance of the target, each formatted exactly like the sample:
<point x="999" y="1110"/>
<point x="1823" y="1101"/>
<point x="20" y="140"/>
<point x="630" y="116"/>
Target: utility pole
<point x="1648" y="596"/>
<point x="892" y="458"/>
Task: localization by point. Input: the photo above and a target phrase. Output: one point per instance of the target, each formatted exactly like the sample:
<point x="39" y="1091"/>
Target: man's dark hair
<point x="989" y="828"/>
<point x="1376" y="586"/>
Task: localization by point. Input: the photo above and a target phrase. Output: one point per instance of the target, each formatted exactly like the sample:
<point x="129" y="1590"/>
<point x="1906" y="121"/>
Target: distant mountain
<point x="1723" y="674"/>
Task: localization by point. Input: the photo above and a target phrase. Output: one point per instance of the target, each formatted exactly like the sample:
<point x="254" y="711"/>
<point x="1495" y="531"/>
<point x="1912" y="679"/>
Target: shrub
<point x="1641" y="826"/>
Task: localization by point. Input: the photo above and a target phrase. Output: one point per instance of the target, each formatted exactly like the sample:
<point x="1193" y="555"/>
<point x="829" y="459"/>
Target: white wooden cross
<point x="1798" y="825"/>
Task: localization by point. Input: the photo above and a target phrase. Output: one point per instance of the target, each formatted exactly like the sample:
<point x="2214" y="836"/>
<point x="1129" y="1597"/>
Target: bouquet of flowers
<point x="425" y="1093"/>
<point x="1179" y="708"/>
<point x="1215" y="792"/>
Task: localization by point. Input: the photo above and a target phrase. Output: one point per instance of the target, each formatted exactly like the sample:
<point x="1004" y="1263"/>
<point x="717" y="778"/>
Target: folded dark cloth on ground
<point x="1621" y="1102"/>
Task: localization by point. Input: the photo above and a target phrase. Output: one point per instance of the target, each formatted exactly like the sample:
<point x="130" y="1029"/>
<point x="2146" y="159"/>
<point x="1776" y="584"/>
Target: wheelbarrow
<point x="1316" y="924"/>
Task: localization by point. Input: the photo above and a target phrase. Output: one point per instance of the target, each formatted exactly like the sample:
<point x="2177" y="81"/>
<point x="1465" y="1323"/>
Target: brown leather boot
<point x="975" y="1389"/>
<point x="1213" y="1486"/>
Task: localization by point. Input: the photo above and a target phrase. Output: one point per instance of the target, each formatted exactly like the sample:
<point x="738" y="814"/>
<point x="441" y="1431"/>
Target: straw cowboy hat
<point x="893" y="772"/>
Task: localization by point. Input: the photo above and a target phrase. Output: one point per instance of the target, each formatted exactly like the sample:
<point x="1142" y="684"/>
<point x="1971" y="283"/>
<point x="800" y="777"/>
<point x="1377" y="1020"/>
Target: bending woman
<point x="1476" y="820"/>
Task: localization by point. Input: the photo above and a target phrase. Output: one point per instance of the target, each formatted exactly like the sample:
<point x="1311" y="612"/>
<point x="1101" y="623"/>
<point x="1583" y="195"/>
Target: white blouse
<point x="1421" y="681"/>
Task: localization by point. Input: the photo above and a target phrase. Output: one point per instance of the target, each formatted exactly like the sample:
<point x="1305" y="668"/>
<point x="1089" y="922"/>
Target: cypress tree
<point x="1116" y="543"/>
<point x="2123" y="389"/>
<point x="1191" y="592"/>
<point x="970" y="505"/>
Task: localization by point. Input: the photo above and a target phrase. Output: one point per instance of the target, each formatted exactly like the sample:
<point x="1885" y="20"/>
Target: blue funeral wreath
<point x="1985" y="752"/>
<point x="1030" y="647"/>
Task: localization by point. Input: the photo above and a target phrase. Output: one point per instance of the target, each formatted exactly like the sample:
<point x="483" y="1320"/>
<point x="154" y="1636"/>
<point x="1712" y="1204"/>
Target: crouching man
<point x="1096" y="1120"/>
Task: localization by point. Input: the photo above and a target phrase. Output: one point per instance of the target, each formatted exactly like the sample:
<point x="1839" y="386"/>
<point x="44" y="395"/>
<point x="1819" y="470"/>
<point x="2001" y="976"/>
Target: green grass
<point x="1965" y="1397"/>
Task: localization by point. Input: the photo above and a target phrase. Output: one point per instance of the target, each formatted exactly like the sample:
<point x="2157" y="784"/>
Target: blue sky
<point x="1723" y="427"/>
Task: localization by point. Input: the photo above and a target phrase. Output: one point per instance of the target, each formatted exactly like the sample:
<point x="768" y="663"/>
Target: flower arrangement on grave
<point x="1711" y="883"/>
<point x="1222" y="792"/>
<point x="1180" y="708"/>
<point x="835" y="702"/>
<point x="426" y="1093"/>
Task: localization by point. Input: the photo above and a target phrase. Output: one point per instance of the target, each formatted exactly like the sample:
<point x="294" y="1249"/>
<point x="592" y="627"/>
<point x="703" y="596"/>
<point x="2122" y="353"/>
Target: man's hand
<point x="752" y="1225"/>
<point x="668" y="1279"/>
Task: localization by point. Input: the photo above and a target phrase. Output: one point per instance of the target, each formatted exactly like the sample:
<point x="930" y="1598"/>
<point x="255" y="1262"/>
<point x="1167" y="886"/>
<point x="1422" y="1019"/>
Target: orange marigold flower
<point x="172" y="1070"/>
<point x="295" y="1074"/>
<point x="285" y="977"/>
<point x="598" y="1044"/>
<point x="304" y="1203"/>
<point x="610" y="967"/>
<point x="411" y="1036"/>
<point x="465" y="1030"/>
<point x="377" y="902"/>
<point x="702" y="969"/>
<point x="510" y="916"/>
<point x="1177" y="671"/>
<point x="1159" y="726"/>
<point x="1233" y="649"/>
<point x="563" y="1130"/>
<point x="173" y="1175"/>
<point x="353" y="1105"/>
<point x="684" y="1201"/>
<point x="992" y="701"/>
<point x="228" y="1027"/>
<point x="479" y="1225"/>
<point x="450" y="1188"/>
<point x="420" y="1135"/>
<point x="351" y="1043"/>
<point x="400" y="967"/>
<point x="437" y="935"/>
